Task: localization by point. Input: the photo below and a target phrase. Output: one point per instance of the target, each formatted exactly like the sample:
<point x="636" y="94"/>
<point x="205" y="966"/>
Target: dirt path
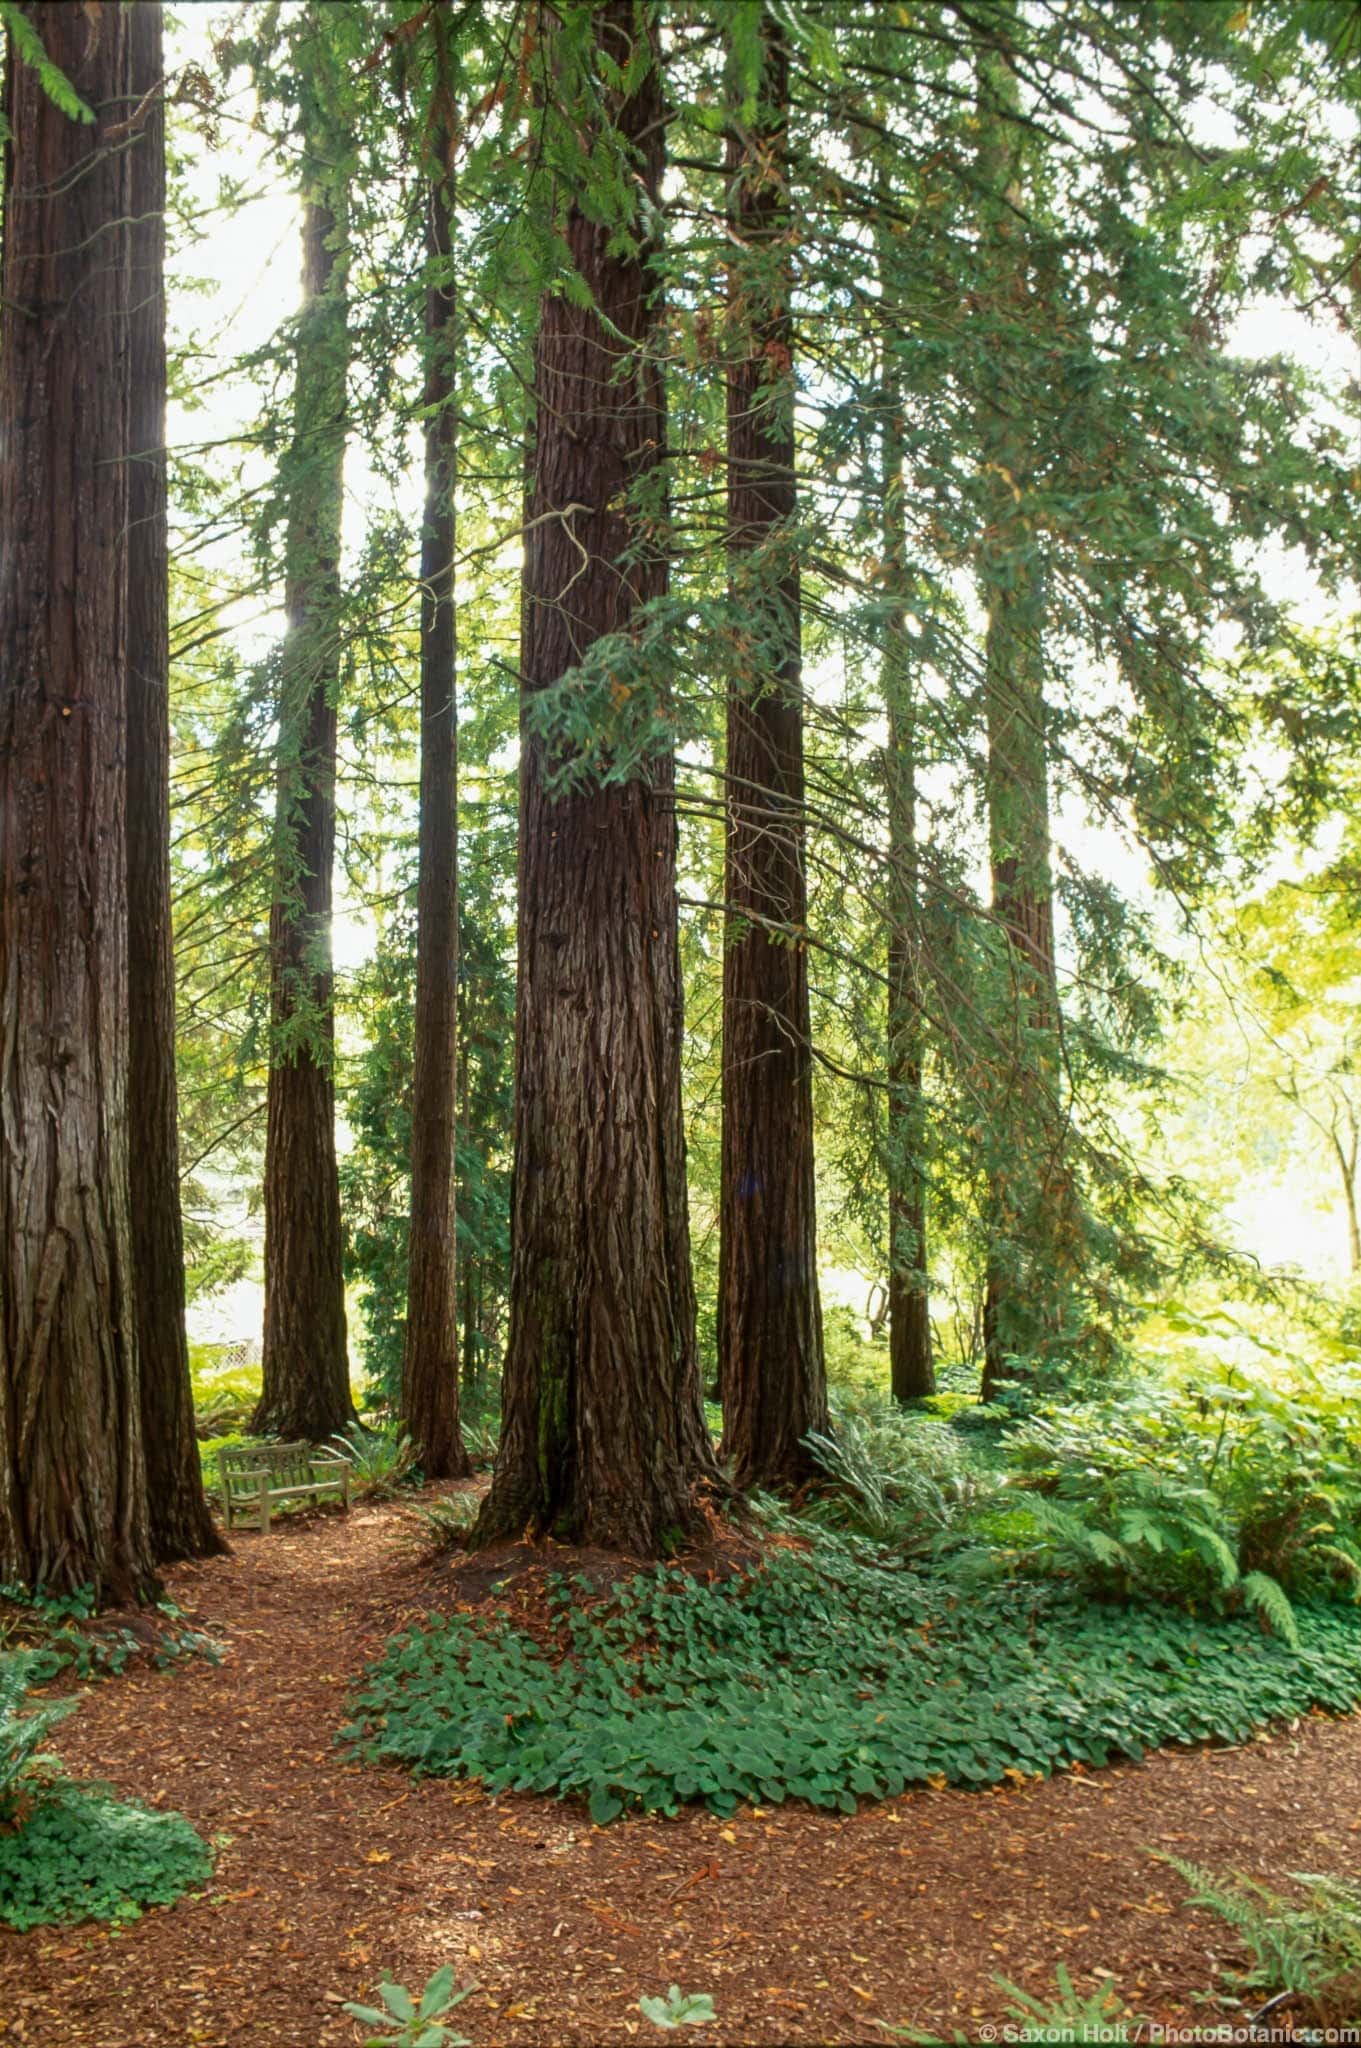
<point x="803" y="1927"/>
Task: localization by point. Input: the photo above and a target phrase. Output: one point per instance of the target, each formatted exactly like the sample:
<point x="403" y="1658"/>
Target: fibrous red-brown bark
<point x="911" y="1366"/>
<point x="430" y="1362"/>
<point x="603" y="1437"/>
<point x="1033" y="1218"/>
<point x="770" y="1356"/>
<point x="181" y="1525"/>
<point x="306" y="1381"/>
<point x="72" y="1475"/>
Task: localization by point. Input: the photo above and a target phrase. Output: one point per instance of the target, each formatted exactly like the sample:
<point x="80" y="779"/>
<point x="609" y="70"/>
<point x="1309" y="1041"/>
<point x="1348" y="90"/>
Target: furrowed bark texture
<point x="1033" y="1231"/>
<point x="72" y="1476"/>
<point x="771" y="1368"/>
<point x="306" y="1382"/>
<point x="430" y="1362"/>
<point x="181" y="1525"/>
<point x="911" y="1367"/>
<point x="603" y="1435"/>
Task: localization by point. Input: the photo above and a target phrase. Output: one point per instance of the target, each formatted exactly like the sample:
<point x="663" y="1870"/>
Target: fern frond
<point x="1268" y="1598"/>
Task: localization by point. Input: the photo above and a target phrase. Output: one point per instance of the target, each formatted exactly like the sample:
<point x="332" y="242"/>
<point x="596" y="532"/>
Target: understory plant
<point x="1219" y="1492"/>
<point x="1069" y="2015"/>
<point x="381" y="1461"/>
<point x="678" y="2009"/>
<point x="827" y="1677"/>
<point x="445" y="1522"/>
<point x="24" y="1765"/>
<point x="418" y="2017"/>
<point x="65" y="1632"/>
<point x="1305" y="1947"/>
<point x="904" y="1480"/>
<point x="73" y="1851"/>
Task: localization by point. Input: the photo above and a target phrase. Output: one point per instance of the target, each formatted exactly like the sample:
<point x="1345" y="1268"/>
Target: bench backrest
<point x="287" y="1464"/>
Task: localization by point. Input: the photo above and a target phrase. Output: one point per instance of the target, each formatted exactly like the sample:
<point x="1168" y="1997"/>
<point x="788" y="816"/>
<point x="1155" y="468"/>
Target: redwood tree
<point x="430" y="1363"/>
<point x="911" y="1367"/>
<point x="1031" y="1211"/>
<point x="180" y="1523"/>
<point x="603" y="1436"/>
<point x="72" y="1476"/>
<point x="306" y="1382"/>
<point x="770" y="1357"/>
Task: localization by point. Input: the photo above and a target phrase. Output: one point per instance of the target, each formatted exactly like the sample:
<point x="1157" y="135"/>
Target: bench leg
<point x="264" y="1508"/>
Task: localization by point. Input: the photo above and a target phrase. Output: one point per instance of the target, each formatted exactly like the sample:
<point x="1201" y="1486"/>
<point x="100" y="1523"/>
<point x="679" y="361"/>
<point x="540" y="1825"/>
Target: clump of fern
<point x="381" y="1461"/>
<point x="1066" y="2015"/>
<point x="24" y="1729"/>
<point x="1305" y="1950"/>
<point x="1126" y="1534"/>
<point x="444" y="1523"/>
<point x="905" y="1481"/>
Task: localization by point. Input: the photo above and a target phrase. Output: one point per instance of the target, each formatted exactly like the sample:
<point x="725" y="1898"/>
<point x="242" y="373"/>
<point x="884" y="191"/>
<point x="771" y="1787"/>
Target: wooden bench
<point x="252" y="1477"/>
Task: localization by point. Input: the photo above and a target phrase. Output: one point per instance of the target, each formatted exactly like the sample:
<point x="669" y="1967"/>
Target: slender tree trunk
<point x="911" y="1368"/>
<point x="430" y="1360"/>
<point x="72" y="1474"/>
<point x="1346" y="1156"/>
<point x="181" y="1525"/>
<point x="770" y="1358"/>
<point x="306" y="1382"/>
<point x="1031" y="1209"/>
<point x="603" y="1436"/>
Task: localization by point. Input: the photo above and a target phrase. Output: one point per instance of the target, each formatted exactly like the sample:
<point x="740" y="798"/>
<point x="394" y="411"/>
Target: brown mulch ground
<point x="804" y="1927"/>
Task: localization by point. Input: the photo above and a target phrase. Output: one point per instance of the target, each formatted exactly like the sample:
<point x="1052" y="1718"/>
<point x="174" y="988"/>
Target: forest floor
<point x="803" y="1926"/>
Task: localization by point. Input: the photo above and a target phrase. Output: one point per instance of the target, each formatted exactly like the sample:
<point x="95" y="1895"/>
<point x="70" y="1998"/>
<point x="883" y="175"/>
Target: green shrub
<point x="828" y="1678"/>
<point x="855" y="1365"/>
<point x="225" y="1394"/>
<point x="480" y="1423"/>
<point x="82" y="1854"/>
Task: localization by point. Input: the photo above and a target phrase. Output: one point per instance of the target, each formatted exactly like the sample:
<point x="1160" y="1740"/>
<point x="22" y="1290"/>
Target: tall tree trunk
<point x="72" y="1475"/>
<point x="603" y="1436"/>
<point x="181" y="1525"/>
<point x="911" y="1367"/>
<point x="306" y="1382"/>
<point x="430" y="1360"/>
<point x="1030" y="1218"/>
<point x="1346" y="1156"/>
<point x="770" y="1358"/>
